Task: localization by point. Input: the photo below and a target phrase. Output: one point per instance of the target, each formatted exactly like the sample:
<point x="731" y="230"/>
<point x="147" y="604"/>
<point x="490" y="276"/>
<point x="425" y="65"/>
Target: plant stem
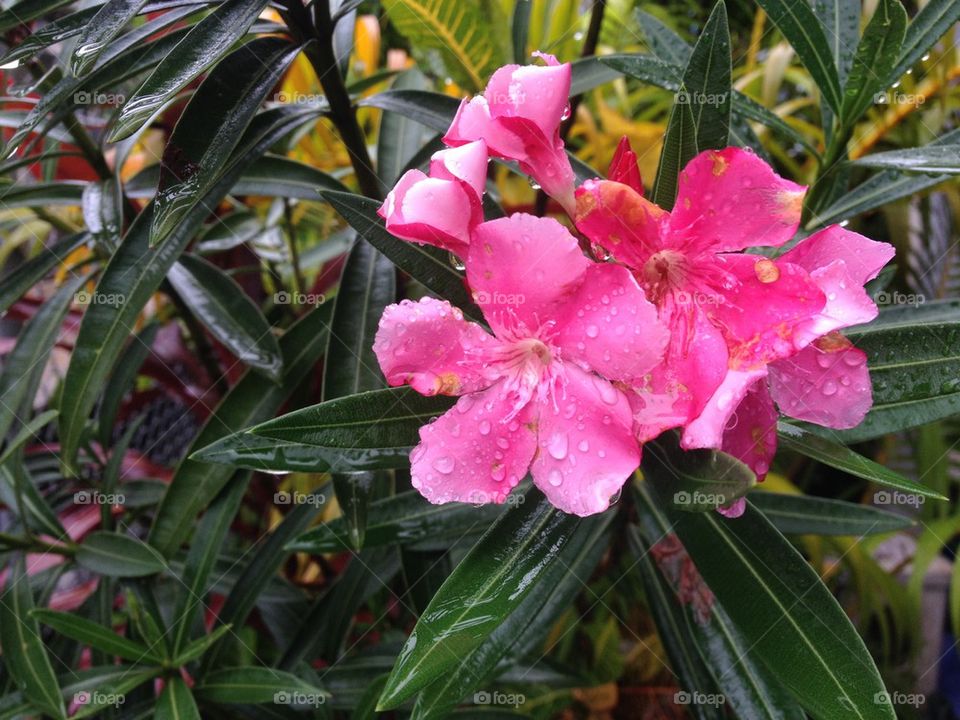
<point x="298" y="283"/>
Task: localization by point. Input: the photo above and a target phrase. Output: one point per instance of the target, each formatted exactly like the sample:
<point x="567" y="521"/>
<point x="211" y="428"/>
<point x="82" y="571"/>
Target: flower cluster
<point x="672" y="324"/>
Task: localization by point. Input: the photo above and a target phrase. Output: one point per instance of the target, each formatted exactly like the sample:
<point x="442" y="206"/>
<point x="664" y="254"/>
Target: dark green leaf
<point x="255" y="685"/>
<point x="16" y="195"/>
<point x="679" y="147"/>
<point x="105" y="25"/>
<point x="51" y="33"/>
<point x="96" y="636"/>
<point x="176" y="702"/>
<point x="428" y="108"/>
<point x="228" y="313"/>
<point x="23" y="277"/>
<point x="122" y="379"/>
<point x="26" y="10"/>
<point x="927" y="159"/>
<point x="803" y="515"/>
<point x="206" y="43"/>
<point x="276" y="176"/>
<point x="27" y="433"/>
<point x="488" y="584"/>
<point x="875" y="57"/>
<point x="588" y="73"/>
<point x="803" y="31"/>
<point x="841" y="23"/>
<point x="24" y="654"/>
<point x="929" y="25"/>
<point x="400" y="137"/>
<point x="520" y="30"/>
<point x="117" y="555"/>
<point x="196" y="483"/>
<point x="17" y="490"/>
<point x="664" y="42"/>
<point x="707" y="81"/>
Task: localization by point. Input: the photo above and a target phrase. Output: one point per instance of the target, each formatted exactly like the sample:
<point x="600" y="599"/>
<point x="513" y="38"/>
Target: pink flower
<point x="519" y="116"/>
<point x="729" y="313"/>
<point x="538" y="394"/>
<point x="443" y="208"/>
<point x="825" y="381"/>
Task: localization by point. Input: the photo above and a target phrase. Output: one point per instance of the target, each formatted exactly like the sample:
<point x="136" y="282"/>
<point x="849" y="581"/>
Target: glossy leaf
<point x="105" y="25"/>
<point x="520" y="30"/>
<point x="926" y="159"/>
<point x="664" y="42"/>
<point x="117" y="555"/>
<point x="52" y="32"/>
<point x="253" y="685"/>
<point x="122" y="378"/>
<point x="487" y="585"/>
<point x="276" y="176"/>
<point x="206" y="43"/>
<point x="400" y="137"/>
<point x="930" y="24"/>
<point x="96" y="636"/>
<point x="841" y="23"/>
<point x="19" y="280"/>
<point x="228" y="313"/>
<point x="803" y="515"/>
<point x="432" y="109"/>
<point x="20" y="13"/>
<point x="679" y="147"/>
<point x="707" y="81"/>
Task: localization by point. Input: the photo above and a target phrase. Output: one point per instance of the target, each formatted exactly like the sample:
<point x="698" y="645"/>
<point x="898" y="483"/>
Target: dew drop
<point x="484" y="427"/>
<point x="557" y="446"/>
<point x="444" y="464"/>
<point x="555" y="477"/>
<point x="829" y="388"/>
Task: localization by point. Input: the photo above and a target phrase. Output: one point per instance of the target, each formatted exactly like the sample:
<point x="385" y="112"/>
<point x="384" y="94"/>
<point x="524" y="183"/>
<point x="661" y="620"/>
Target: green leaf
<point x="26" y="10"/>
<point x="400" y="137"/>
<point x="880" y="190"/>
<point x="122" y="379"/>
<point x="487" y="585"/>
<point x="785" y="613"/>
<point x="203" y="46"/>
<point x="803" y="31"/>
<point x="135" y="272"/>
<point x="198" y="647"/>
<point x="836" y="455"/>
<point x="16" y="195"/>
<point x="520" y="30"/>
<point x="105" y="687"/>
<point x="707" y="81"/>
<point x="23" y="277"/>
<point x="96" y="636"/>
<point x="34" y="344"/>
<point x="403" y="519"/>
<point x="366" y="426"/>
<point x="915" y="372"/>
<point x="695" y="480"/>
<point x="588" y="73"/>
<point x="277" y="176"/>
<point x="256" y="685"/>
<point x="679" y="147"/>
<point x="527" y="625"/>
<point x="841" y="23"/>
<point x="102" y="206"/>
<point x="196" y="483"/>
<point x="207" y="133"/>
<point x="430" y="266"/>
<point x="17" y="490"/>
<point x="51" y="33"/>
<point x="117" y="555"/>
<point x="804" y="515"/>
<point x="228" y="313"/>
<point x="875" y="57"/>
<point x="663" y="41"/>
<point x="432" y="109"/>
<point x="105" y="25"/>
<point x="461" y="33"/>
<point x="24" y="655"/>
<point x="26" y="434"/>
<point x="927" y="159"/>
<point x="929" y="25"/>
<point x="176" y="702"/>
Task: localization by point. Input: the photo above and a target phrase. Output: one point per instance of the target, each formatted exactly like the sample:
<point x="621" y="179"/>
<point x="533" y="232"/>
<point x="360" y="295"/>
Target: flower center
<point x="664" y="271"/>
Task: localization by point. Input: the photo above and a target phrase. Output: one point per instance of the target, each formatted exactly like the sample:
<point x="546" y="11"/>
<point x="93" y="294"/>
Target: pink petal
<point x="520" y="267"/>
<point x="759" y="316"/>
<point x="477" y="452"/>
<point x="751" y="432"/>
<point x="734" y="509"/>
<point x="624" y="168"/>
<point x="731" y="199"/>
<point x="429" y="346"/>
<point x="618" y="218"/>
<point x="467" y="163"/>
<point x="678" y="389"/>
<point x="536" y="93"/>
<point x="706" y="431"/>
<point x="586" y="445"/>
<point x="432" y="211"/>
<point x="840" y="262"/>
<point x="825" y="383"/>
<point x="474" y="121"/>
<point x="609" y="326"/>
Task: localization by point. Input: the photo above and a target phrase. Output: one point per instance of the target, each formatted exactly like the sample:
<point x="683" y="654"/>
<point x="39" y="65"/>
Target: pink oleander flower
<point x="443" y="208"/>
<point x="519" y="116"/>
<point x="538" y="394"/>
<point x="729" y="313"/>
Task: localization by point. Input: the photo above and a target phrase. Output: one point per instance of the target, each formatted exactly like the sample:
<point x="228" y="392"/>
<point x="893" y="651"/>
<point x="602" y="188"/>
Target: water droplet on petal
<point x="557" y="446"/>
<point x="829" y="388"/>
<point x="484" y="427"/>
<point x="555" y="477"/>
<point x="592" y="331"/>
<point x="444" y="464"/>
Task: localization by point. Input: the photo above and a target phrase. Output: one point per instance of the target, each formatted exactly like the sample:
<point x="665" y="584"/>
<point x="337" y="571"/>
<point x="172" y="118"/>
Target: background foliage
<point x="206" y="507"/>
